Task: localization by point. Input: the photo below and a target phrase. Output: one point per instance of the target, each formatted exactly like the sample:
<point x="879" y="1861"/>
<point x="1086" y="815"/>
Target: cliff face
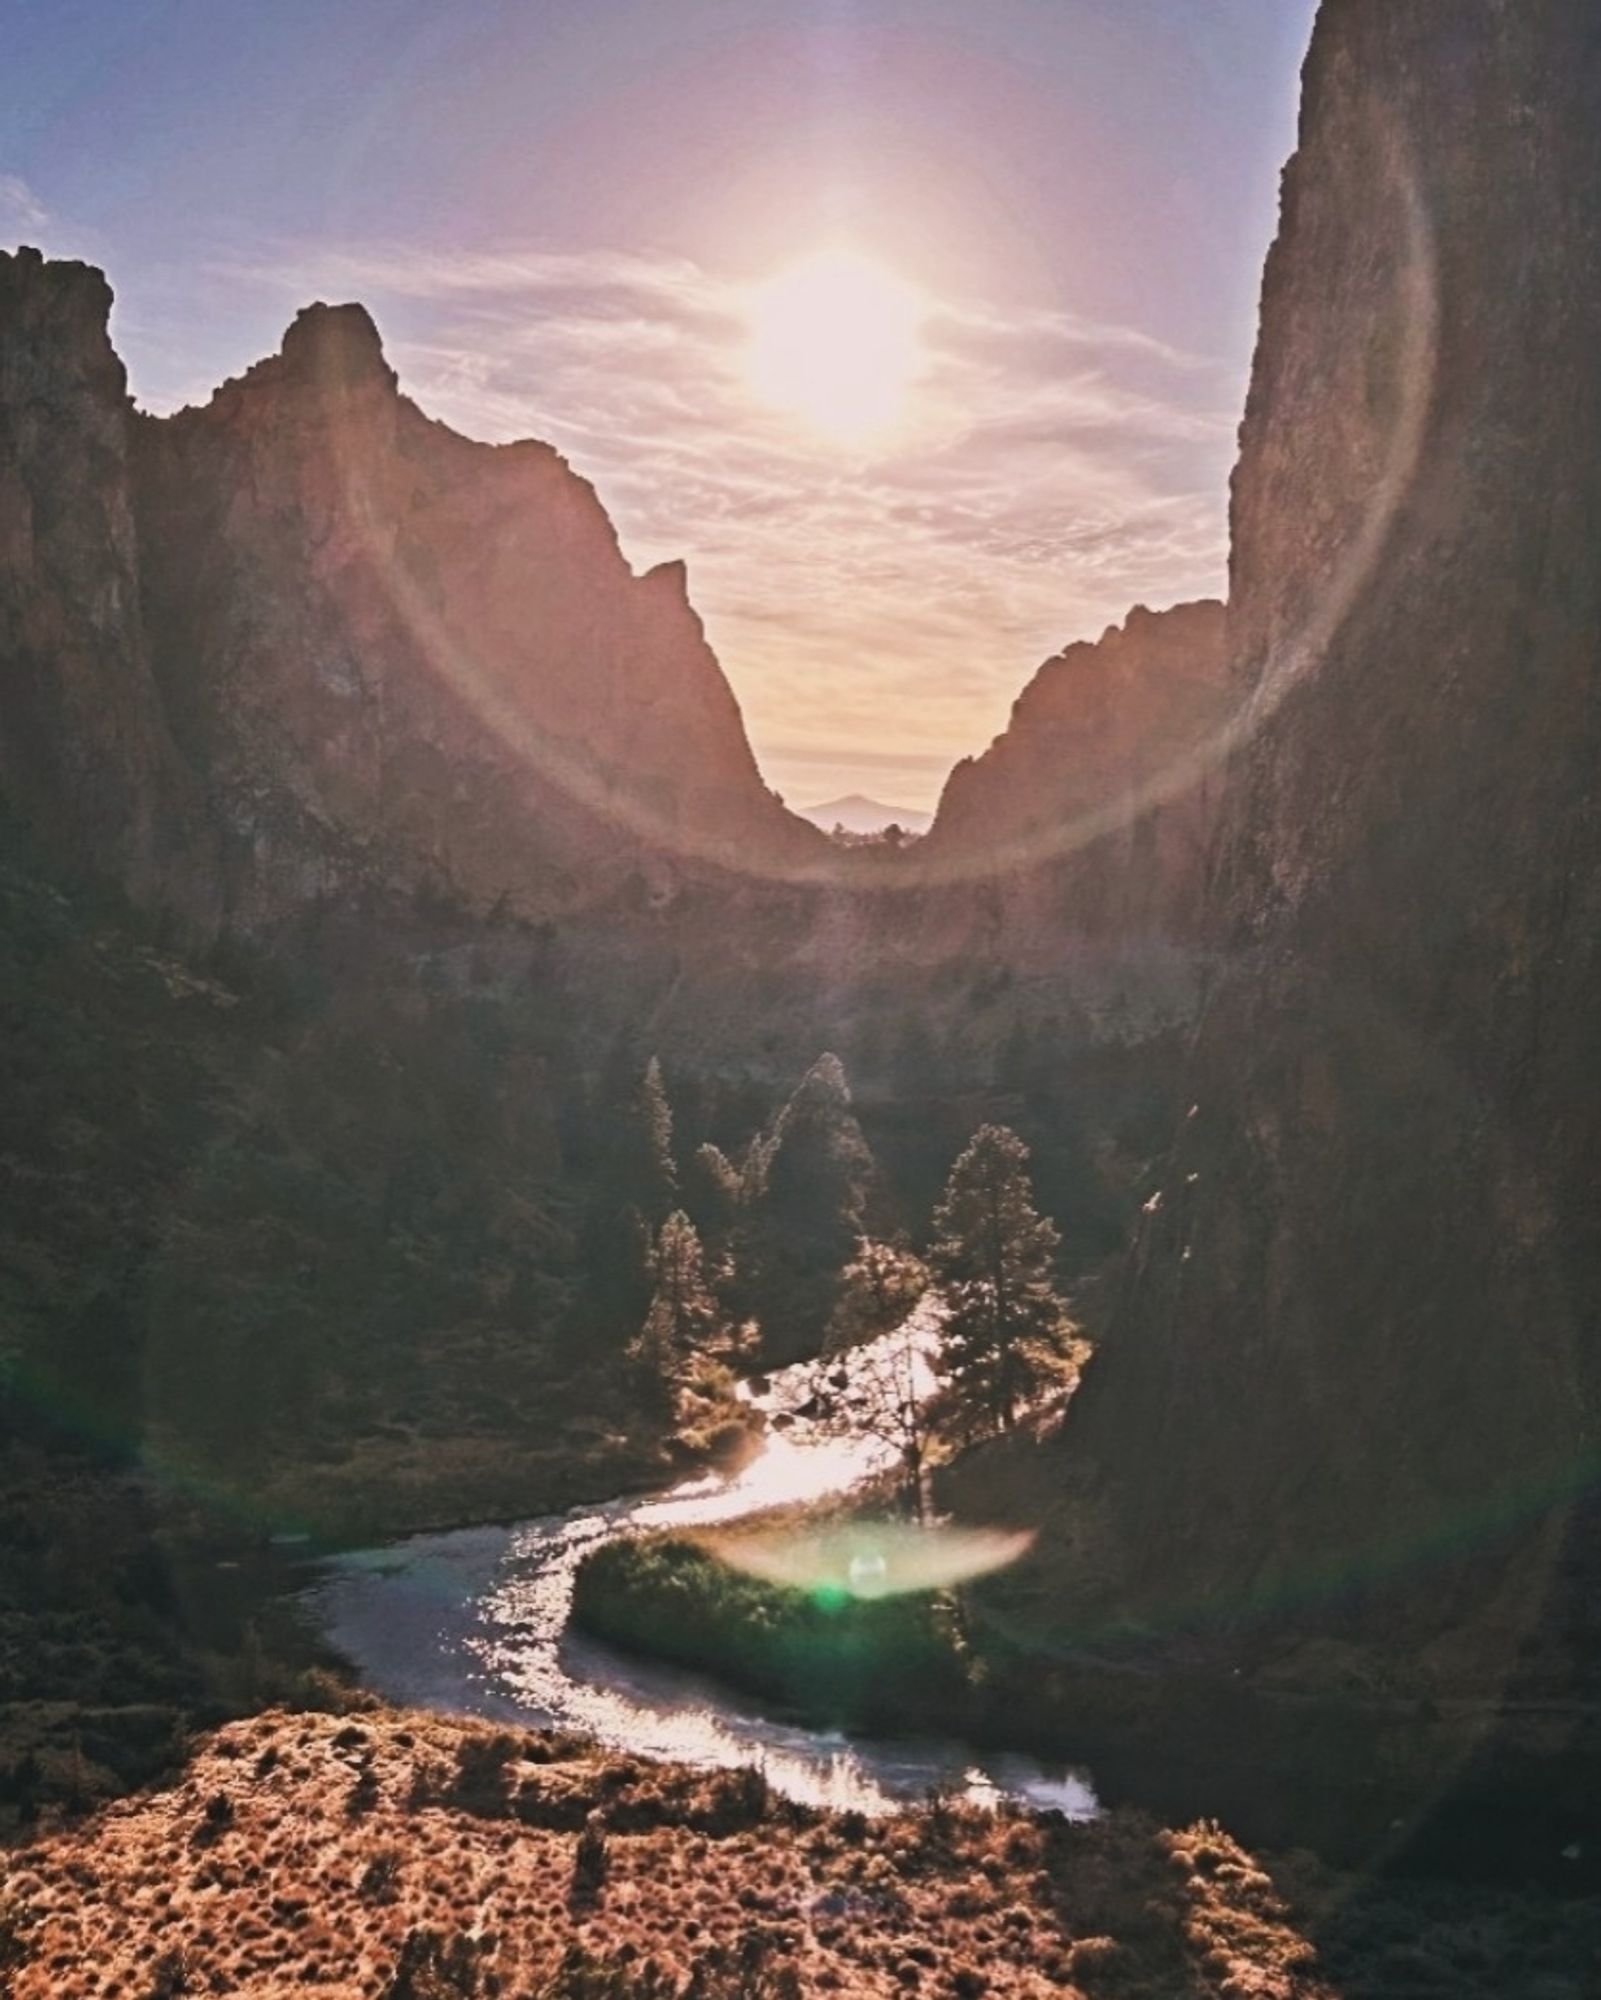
<point x="424" y="647"/>
<point x="1105" y="776"/>
<point x="388" y="657"/>
<point x="83" y="750"/>
<point x="1361" y="1330"/>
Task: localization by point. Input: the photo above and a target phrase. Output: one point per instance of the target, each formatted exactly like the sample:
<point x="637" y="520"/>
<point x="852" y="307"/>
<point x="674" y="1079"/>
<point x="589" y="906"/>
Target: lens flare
<point x="862" y="1561"/>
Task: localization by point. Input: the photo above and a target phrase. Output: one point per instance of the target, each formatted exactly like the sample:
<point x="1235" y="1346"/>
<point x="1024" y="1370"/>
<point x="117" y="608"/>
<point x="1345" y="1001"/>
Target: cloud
<point x="1048" y="329"/>
<point x="20" y="207"/>
<point x="1051" y="472"/>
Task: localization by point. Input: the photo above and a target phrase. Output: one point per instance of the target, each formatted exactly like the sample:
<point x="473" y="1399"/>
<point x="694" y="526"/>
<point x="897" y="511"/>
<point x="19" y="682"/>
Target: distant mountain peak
<point x="859" y="814"/>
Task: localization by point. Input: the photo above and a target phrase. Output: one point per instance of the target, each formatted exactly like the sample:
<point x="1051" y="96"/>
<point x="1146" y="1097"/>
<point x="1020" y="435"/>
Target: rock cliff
<point x="1358" y="1351"/>
<point x="1105" y="776"/>
<point x="83" y="751"/>
<point x="380" y="655"/>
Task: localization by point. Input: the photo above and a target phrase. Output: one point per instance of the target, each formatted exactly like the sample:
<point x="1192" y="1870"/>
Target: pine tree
<point x="712" y="1196"/>
<point x="992" y="1258"/>
<point x="635" y="1191"/>
<point x="647" y="1138"/>
<point x="683" y="1316"/>
<point x="805" y="1194"/>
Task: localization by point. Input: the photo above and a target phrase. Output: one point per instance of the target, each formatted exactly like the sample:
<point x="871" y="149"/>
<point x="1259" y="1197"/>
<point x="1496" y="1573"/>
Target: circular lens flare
<point x="862" y="1560"/>
<point x="836" y="340"/>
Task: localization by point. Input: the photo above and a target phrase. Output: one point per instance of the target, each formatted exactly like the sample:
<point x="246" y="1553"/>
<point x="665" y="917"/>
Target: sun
<point x="837" y="341"/>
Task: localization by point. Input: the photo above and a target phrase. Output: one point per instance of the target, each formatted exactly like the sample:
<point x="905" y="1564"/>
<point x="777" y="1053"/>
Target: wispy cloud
<point x="1051" y="473"/>
<point x="20" y="207"/>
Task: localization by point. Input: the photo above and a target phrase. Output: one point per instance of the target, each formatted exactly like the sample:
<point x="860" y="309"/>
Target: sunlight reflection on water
<point x="477" y="1621"/>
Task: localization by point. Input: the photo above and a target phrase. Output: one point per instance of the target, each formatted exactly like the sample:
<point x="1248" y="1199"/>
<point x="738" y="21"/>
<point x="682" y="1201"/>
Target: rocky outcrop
<point x="389" y="658"/>
<point x="1059" y="889"/>
<point x="1360" y="1343"/>
<point x="84" y="753"/>
<point x="1105" y="775"/>
<point x="384" y="640"/>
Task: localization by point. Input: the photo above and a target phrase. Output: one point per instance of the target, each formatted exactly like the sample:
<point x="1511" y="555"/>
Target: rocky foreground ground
<point x="410" y="1858"/>
<point x="398" y="1856"/>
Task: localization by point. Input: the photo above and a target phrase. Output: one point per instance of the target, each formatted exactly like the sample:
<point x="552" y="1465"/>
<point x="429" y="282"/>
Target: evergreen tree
<point x="992" y="1259"/>
<point x="647" y="1148"/>
<point x="635" y="1191"/>
<point x="683" y="1316"/>
<point x="712" y="1196"/>
<point x="806" y="1187"/>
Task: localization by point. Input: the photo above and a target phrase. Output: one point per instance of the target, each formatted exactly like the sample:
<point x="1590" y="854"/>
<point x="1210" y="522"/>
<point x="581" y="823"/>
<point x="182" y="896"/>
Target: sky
<point x="580" y="219"/>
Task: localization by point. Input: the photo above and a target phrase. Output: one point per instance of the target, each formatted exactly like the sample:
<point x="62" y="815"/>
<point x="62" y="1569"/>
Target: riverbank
<point x="424" y="1487"/>
<point x="177" y="1604"/>
<point x="1478" y="1790"/>
<point x="481" y="1620"/>
<point x="400" y="1482"/>
<point x="892" y="1666"/>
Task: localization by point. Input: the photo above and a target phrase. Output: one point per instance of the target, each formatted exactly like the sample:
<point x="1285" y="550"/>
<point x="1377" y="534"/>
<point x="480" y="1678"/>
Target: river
<point x="476" y="1621"/>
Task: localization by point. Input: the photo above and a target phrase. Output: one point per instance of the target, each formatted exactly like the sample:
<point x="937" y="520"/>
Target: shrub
<point x="432" y="1967"/>
<point x="364" y="1794"/>
<point x="746" y="1794"/>
<point x="590" y="1858"/>
<point x="380" y="1878"/>
<point x="215" y="1819"/>
<point x="170" y="1976"/>
<point x="482" y="1784"/>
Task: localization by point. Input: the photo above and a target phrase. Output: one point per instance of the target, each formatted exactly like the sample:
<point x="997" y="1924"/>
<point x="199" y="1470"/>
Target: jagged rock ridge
<point x="386" y="655"/>
<point x="1111" y="751"/>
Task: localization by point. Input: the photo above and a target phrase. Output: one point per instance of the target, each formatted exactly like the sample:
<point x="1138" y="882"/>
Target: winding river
<point x="476" y="1621"/>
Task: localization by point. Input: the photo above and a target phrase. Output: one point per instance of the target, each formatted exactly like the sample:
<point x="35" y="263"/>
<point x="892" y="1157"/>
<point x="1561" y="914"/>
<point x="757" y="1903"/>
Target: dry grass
<point x="408" y="1858"/>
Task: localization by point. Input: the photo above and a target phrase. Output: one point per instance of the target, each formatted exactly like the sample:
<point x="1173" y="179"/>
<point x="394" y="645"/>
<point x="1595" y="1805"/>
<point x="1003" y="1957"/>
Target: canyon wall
<point x="1082" y="832"/>
<point x="84" y="751"/>
<point x="391" y="646"/>
<point x="1107" y="755"/>
<point x="304" y="642"/>
<point x="304" y="650"/>
<point x="1358" y="1346"/>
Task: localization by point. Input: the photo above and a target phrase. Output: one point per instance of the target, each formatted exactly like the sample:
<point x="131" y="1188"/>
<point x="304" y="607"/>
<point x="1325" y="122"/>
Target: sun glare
<point x="837" y="341"/>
